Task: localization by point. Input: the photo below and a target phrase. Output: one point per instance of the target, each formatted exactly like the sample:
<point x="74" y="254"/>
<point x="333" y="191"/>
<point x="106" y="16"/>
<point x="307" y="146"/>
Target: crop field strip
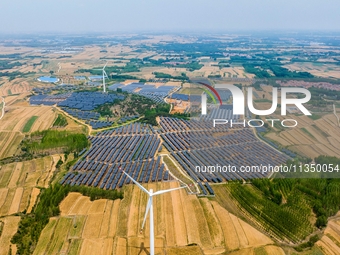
<point x="101" y="226"/>
<point x="132" y="148"/>
<point x="18" y="182"/>
<point x="195" y="143"/>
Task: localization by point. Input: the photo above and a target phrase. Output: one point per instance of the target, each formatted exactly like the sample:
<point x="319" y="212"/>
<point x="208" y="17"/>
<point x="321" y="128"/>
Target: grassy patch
<point x="29" y="124"/>
<point x="314" y="116"/>
<point x="55" y="141"/>
<point x="61" y="121"/>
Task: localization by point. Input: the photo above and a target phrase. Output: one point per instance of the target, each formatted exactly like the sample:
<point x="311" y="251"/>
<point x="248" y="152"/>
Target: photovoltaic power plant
<point x="153" y="92"/>
<point x="132" y="147"/>
<point x="197" y="143"/>
<point x="85" y="101"/>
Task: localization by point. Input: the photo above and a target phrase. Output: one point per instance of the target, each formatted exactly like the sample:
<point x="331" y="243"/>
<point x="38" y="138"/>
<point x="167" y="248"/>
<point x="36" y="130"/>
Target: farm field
<point x="330" y="242"/>
<point x="19" y="192"/>
<point x="9" y="228"/>
<point x="107" y="227"/>
<point x="317" y="68"/>
<point x="311" y="138"/>
<point x="18" y="182"/>
<point x="15" y="122"/>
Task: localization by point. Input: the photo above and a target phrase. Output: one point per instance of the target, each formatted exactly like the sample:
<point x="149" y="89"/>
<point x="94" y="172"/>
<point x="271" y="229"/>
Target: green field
<point x="29" y="124"/>
<point x="286" y="207"/>
<point x="61" y="121"/>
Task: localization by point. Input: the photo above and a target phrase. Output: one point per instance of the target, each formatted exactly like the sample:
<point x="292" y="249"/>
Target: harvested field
<point x="18" y="183"/>
<point x="16" y="201"/>
<point x="311" y="138"/>
<point x="330" y="241"/>
<point x="10" y="227"/>
<point x="180" y="219"/>
<point x="33" y="198"/>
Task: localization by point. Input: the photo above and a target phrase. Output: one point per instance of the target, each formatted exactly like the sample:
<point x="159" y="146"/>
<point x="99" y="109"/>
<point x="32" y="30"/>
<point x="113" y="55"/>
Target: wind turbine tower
<point x="104" y="76"/>
<point x="149" y="207"/>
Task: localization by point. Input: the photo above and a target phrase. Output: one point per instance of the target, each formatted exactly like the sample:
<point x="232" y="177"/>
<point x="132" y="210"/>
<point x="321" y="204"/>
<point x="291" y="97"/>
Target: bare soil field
<point x="310" y="138"/>
<point x="317" y="69"/>
<point x="112" y="227"/>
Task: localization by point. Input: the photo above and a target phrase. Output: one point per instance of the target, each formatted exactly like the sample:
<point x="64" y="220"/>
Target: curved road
<point x="3" y="108"/>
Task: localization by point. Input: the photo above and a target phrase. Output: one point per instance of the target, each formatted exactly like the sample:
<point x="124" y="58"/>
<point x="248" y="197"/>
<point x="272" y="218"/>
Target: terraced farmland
<point x="19" y="192"/>
<point x="113" y="227"/>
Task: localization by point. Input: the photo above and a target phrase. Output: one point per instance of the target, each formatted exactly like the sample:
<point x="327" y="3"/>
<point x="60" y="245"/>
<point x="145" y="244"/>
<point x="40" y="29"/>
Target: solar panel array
<point x="47" y="90"/>
<point x="100" y="124"/>
<point x="132" y="148"/>
<point x="85" y="101"/>
<point x="83" y="115"/>
<point x="184" y="97"/>
<point x="88" y="101"/>
<point x="128" y="118"/>
<point x="48" y="100"/>
<point x="153" y="92"/>
<point x="224" y="94"/>
<point x="220" y="113"/>
<point x="131" y="129"/>
<point x="196" y="144"/>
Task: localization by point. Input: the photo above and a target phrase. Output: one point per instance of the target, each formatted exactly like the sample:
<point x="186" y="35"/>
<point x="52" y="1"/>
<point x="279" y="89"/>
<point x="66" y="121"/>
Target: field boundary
<point x="3" y="108"/>
<point x="336" y="115"/>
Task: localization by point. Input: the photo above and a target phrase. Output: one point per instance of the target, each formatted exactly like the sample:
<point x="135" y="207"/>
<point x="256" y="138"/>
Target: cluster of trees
<point x="128" y="68"/>
<point x="161" y="110"/>
<point x="285" y="205"/>
<point x="269" y="190"/>
<point x="260" y="67"/>
<point x="5" y="64"/>
<point x="31" y="225"/>
<point x="318" y="93"/>
<point x="14" y="75"/>
<point x="42" y="141"/>
<point x="160" y="75"/>
<point x="289" y="220"/>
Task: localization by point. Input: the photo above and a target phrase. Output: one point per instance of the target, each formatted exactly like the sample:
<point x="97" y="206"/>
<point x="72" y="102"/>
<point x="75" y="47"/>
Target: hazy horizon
<point x="102" y="16"/>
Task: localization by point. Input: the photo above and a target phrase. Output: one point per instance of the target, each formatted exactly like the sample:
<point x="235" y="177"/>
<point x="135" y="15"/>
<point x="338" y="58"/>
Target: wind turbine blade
<point x="105" y="65"/>
<point x="135" y="182"/>
<point x="165" y="191"/>
<point x="105" y="74"/>
<point x="146" y="211"/>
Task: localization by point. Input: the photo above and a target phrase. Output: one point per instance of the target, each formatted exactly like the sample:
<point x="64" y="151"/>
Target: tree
<point x="321" y="221"/>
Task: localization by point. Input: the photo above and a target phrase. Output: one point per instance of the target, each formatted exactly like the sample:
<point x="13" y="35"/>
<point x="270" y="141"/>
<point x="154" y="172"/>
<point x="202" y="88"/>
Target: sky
<point x="82" y="16"/>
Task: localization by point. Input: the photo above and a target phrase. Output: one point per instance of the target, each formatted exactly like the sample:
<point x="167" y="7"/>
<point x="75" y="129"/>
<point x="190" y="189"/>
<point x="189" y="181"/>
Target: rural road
<point x="3" y="108"/>
<point x="336" y="114"/>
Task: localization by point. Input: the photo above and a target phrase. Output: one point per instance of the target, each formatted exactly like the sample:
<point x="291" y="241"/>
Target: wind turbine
<point x="149" y="207"/>
<point x="104" y="76"/>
